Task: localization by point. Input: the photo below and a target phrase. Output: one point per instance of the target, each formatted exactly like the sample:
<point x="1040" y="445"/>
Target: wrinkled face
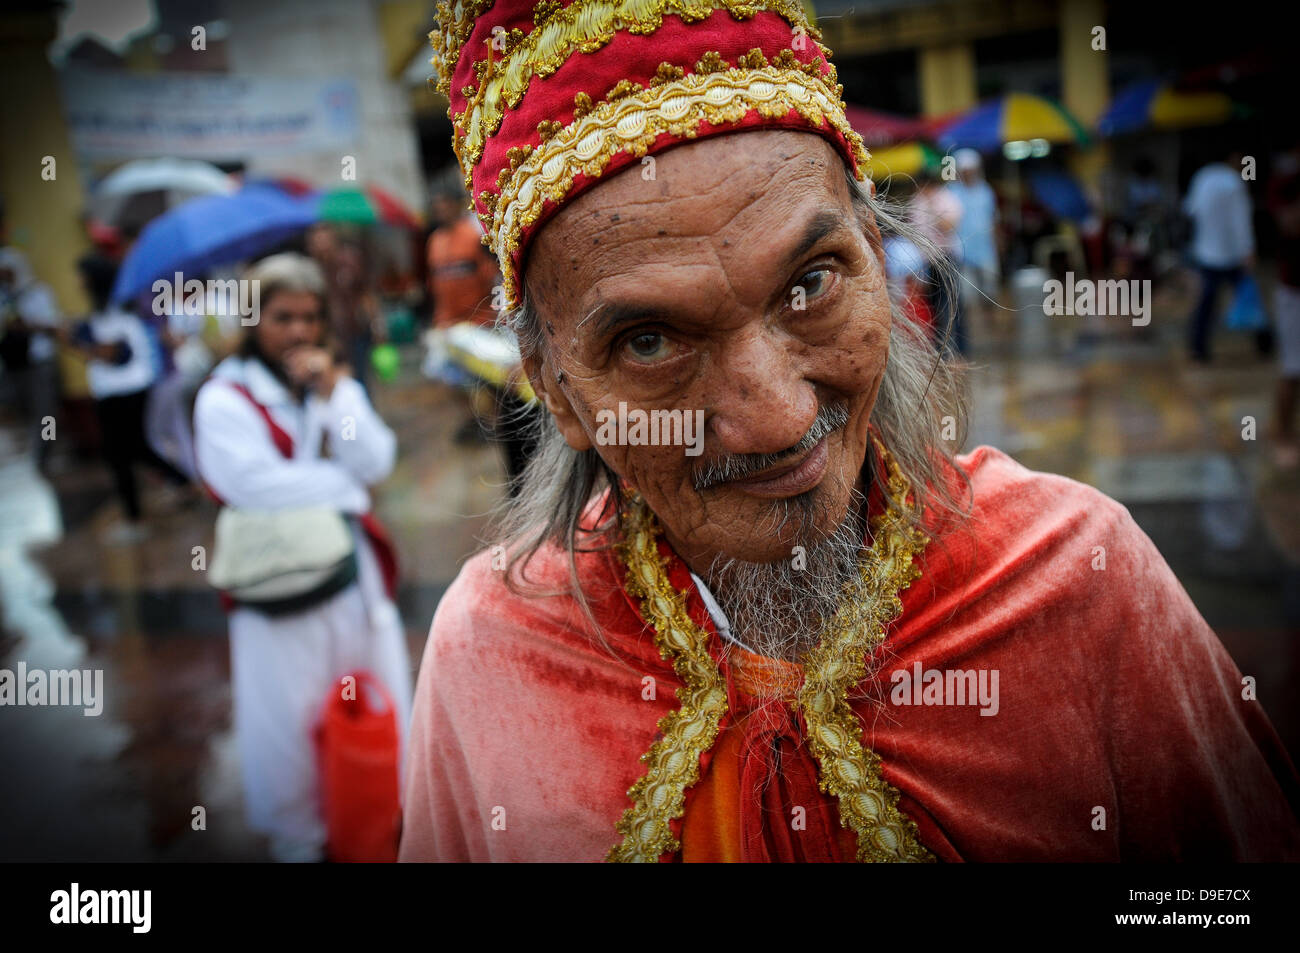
<point x="289" y="319"/>
<point x="737" y="285"/>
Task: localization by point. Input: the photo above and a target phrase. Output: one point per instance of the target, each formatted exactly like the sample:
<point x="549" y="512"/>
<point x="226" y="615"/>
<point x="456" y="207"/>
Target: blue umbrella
<point x="1061" y="194"/>
<point x="211" y="231"/>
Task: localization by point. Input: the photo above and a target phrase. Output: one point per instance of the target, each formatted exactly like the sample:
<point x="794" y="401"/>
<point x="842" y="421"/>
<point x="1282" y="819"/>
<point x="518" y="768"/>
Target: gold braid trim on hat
<point x="633" y="122"/>
<point x="455" y="23"/>
<point x="584" y="26"/>
<point x="850" y="771"/>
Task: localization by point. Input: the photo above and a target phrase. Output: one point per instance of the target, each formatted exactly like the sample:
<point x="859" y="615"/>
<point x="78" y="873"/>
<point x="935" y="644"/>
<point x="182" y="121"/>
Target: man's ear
<point x="542" y="375"/>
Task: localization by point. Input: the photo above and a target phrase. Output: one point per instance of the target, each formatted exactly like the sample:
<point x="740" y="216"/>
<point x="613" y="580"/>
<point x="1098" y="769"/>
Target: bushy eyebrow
<point x="611" y="316"/>
<point x="825" y="222"/>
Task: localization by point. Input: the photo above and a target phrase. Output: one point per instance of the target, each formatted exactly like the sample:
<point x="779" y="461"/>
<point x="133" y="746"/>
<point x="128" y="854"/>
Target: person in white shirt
<point x="120" y="370"/>
<point x="977" y="251"/>
<point x="936" y="213"/>
<point x="260" y="423"/>
<point x="1223" y="240"/>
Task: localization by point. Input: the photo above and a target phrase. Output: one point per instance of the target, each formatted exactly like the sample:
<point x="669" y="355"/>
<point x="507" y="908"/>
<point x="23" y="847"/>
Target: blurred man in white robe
<point x="262" y="422"/>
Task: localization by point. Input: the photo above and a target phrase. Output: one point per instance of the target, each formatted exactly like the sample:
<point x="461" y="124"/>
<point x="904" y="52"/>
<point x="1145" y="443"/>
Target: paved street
<point x="1117" y="407"/>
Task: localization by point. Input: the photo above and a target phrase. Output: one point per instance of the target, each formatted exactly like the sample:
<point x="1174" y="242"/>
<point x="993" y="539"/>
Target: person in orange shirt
<point x="462" y="272"/>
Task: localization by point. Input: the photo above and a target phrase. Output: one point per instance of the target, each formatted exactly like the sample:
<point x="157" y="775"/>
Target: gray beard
<point x="778" y="610"/>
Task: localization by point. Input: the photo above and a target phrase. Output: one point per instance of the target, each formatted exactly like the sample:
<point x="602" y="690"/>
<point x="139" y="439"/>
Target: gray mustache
<point x="830" y="418"/>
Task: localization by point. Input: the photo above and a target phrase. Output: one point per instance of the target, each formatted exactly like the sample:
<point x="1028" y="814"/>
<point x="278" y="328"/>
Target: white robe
<point x="282" y="667"/>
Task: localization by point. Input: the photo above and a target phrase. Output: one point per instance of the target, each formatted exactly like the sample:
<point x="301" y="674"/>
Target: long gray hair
<point x="919" y="416"/>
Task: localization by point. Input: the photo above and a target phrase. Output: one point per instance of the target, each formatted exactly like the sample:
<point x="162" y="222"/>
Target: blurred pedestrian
<point x="29" y="320"/>
<point x="463" y="282"/>
<point x="354" y="308"/>
<point x="909" y="274"/>
<point x="189" y="337"/>
<point x="1145" y="221"/>
<point x="1223" y="240"/>
<point x="278" y="427"/>
<point x="120" y="370"/>
<point x="1284" y="205"/>
<point x="462" y="271"/>
<point x="322" y="243"/>
<point x="935" y="212"/>
<point x="976" y="238"/>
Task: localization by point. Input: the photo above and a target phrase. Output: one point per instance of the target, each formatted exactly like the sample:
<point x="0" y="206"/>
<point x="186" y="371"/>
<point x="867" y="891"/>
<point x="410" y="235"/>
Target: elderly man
<point x="816" y="634"/>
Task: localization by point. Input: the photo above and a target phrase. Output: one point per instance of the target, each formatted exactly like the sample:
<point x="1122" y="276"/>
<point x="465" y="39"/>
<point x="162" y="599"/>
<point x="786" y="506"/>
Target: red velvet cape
<point x="1114" y="693"/>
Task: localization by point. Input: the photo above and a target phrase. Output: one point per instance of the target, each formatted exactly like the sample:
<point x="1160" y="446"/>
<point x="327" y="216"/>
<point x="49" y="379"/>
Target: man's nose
<point x="761" y="400"/>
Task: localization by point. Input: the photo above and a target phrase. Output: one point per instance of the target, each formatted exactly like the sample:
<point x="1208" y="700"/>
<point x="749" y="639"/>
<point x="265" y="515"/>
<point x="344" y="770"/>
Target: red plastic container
<point x="359" y="752"/>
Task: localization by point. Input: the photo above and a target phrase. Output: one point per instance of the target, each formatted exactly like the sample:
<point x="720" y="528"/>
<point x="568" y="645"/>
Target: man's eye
<point x="648" y="347"/>
<point x="814" y="282"/>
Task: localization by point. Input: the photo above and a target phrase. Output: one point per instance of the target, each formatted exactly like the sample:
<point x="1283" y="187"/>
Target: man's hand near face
<point x="313" y="368"/>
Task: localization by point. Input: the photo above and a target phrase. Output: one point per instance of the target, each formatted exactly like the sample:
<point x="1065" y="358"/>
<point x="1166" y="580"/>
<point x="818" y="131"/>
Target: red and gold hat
<point x="548" y="97"/>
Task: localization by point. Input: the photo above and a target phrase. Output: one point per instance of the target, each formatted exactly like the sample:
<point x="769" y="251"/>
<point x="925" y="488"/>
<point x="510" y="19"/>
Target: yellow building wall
<point x="42" y="216"/>
<point x="1085" y="81"/>
<point x="947" y="78"/>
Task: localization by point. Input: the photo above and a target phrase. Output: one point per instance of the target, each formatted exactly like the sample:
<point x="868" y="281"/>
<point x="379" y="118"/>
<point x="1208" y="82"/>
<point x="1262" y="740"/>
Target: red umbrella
<point x="881" y="128"/>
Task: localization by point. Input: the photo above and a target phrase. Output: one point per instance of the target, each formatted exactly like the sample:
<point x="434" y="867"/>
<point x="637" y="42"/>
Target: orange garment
<point x="461" y="274"/>
<point x="711" y="827"/>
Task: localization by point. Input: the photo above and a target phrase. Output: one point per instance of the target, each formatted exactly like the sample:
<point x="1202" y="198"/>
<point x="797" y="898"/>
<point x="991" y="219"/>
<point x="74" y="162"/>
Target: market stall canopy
<point x="1016" y="117"/>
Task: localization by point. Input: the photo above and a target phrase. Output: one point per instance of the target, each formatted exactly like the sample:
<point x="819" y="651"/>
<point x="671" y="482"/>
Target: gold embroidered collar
<point x="847" y="769"/>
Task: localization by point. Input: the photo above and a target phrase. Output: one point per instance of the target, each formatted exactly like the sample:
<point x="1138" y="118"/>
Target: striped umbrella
<point x="366" y="206"/>
<point x="1157" y="105"/>
<point x="906" y="158"/>
<point x="1012" y="118"/>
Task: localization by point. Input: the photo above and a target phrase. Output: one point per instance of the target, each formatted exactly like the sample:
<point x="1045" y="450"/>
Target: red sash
<point x="380" y="541"/>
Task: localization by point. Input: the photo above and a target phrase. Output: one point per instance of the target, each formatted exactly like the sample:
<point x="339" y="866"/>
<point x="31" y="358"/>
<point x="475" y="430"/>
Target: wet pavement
<point x="1116" y="407"/>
